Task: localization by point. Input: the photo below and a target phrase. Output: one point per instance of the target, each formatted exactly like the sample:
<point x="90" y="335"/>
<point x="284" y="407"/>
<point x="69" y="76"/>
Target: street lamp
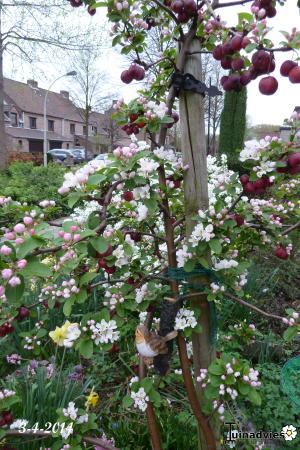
<point x="68" y="74"/>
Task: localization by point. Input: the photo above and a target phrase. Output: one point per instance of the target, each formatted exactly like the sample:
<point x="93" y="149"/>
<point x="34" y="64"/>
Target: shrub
<point x="26" y="182"/>
<point x="36" y="158"/>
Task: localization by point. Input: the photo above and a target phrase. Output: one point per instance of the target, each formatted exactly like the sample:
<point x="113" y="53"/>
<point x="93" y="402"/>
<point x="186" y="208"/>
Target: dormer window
<point x="14" y="119"/>
<point x="32" y="123"/>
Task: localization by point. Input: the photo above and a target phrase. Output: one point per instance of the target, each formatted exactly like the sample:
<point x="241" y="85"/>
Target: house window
<point x="14" y="119"/>
<point x="84" y="129"/>
<point x="72" y="128"/>
<point x="20" y="142"/>
<point x="32" y="122"/>
<point x="94" y="130"/>
<point x="50" y="125"/>
<point x="68" y="145"/>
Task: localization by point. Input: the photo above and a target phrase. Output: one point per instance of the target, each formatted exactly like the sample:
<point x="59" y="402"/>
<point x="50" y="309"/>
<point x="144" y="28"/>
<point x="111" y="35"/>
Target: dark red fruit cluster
<point x="239" y="219"/>
<point x="266" y="9"/>
<point x="6" y="328"/>
<point x="56" y="304"/>
<point x="257" y="187"/>
<point x="177" y="181"/>
<point x="7" y="418"/>
<point x="185" y="10"/>
<point x="76" y="3"/>
<point x="134" y="127"/>
<point x="290" y="69"/>
<point x="102" y="263"/>
<point x="133" y="73"/>
<point x="292" y="164"/>
<point x="150" y="22"/>
<point x="22" y="313"/>
<point x="175" y="117"/>
<point x="128" y="196"/>
<point x="136" y="236"/>
<point x="281" y="253"/>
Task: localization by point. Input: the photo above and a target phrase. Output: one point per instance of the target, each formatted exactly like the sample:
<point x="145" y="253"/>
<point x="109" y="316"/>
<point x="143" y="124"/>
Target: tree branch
<point x="255" y="308"/>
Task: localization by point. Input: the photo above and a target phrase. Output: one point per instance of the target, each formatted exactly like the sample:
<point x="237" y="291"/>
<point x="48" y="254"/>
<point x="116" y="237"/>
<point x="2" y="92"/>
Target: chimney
<point x="65" y="94"/>
<point x="32" y="83"/>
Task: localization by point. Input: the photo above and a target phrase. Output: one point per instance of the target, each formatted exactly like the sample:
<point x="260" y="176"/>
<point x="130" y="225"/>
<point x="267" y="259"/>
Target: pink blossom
<point x="76" y="237"/>
<point x="6" y="273"/>
<point x="21" y="264"/>
<point x="74" y="228"/>
<point x="10" y="235"/>
<point x="14" y="281"/>
<point x="63" y="190"/>
<point x="67" y="237"/>
<point x="5" y="250"/>
<point x="2" y="291"/>
<point x="19" y="241"/>
<point x="19" y="228"/>
<point x="27" y="220"/>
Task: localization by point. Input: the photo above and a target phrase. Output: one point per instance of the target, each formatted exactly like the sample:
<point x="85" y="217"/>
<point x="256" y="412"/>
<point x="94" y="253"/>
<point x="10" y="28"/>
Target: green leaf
<point x="216" y="246"/>
<point x="28" y="246"/>
<point x="87" y="277"/>
<point x="14" y="294"/>
<point x="151" y="205"/>
<point x="155" y="397"/>
<point x="189" y="265"/>
<point x="74" y="197"/>
<point x="127" y="401"/>
<point x="254" y="397"/>
<point x="36" y="269"/>
<point x="250" y="48"/>
<point x="86" y="348"/>
<point x="243" y="388"/>
<point x="147" y="384"/>
<point x="203" y="262"/>
<point x="81" y="296"/>
<point x="93" y="220"/>
<point x="216" y="367"/>
<point x="96" y="178"/>
<point x="41" y="333"/>
<point x="67" y="309"/>
<point x="289" y="333"/>
<point x="100" y="244"/>
<point x="245" y="16"/>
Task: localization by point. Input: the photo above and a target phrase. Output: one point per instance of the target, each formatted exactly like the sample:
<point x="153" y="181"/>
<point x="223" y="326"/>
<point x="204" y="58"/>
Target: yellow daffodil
<point x="60" y="333"/>
<point x="92" y="399"/>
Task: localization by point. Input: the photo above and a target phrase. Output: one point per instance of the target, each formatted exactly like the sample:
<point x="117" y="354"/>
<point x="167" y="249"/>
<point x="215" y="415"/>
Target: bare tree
<point x="27" y="29"/>
<point x="90" y="91"/>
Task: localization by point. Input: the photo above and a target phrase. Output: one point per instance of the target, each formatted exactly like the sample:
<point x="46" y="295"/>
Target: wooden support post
<point x="193" y="146"/>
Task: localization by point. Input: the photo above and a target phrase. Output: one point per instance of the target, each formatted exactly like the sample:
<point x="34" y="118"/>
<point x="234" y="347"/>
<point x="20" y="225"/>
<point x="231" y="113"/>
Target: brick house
<point x="24" y="123"/>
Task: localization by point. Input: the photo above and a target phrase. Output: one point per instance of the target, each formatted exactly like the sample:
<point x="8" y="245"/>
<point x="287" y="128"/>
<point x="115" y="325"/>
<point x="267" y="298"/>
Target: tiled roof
<point x="31" y="99"/>
<point x="35" y="134"/>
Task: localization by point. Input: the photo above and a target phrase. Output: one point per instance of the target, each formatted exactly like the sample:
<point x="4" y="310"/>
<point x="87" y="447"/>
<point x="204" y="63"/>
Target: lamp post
<point x="68" y="74"/>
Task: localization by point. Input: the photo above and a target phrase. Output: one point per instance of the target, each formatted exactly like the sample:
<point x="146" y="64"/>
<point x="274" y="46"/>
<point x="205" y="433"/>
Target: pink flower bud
<point x="63" y="190"/>
<point x="27" y="220"/>
<point x="61" y="233"/>
<point x="19" y="241"/>
<point x="74" y="228"/>
<point x="76" y="237"/>
<point x="19" y="228"/>
<point x="14" y="281"/>
<point x="2" y="291"/>
<point x="21" y="264"/>
<point x="67" y="237"/>
<point x="6" y="273"/>
<point x="10" y="235"/>
<point x="5" y="250"/>
<point x="31" y="231"/>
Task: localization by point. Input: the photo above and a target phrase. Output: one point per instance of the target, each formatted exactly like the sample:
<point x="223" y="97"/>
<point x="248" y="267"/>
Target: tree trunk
<point x="3" y="149"/>
<point x="196" y="197"/>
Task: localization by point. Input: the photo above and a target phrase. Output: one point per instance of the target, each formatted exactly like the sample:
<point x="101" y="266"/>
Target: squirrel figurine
<point x="150" y="344"/>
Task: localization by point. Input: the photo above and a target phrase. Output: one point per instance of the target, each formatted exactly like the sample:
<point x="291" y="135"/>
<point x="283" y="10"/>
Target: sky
<point x="260" y="108"/>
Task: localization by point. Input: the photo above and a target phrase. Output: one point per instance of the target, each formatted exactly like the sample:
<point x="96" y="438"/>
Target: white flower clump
<point x="70" y="411"/>
<point x="185" y="318"/>
<point x="142" y="293"/>
<point x="72" y="334"/>
<point x="18" y="424"/>
<point x="201" y="233"/>
<point x="141" y="192"/>
<point x="5" y="393"/>
<point x="225" y="264"/>
<point x="252" y="150"/>
<point x="154" y="110"/>
<point x="264" y="167"/>
<point x="147" y="166"/>
<point x="142" y="212"/>
<point x="80" y="177"/>
<point x="83" y="419"/>
<point x="81" y="214"/>
<point x="104" y="332"/>
<point x="119" y="253"/>
<point x="183" y="255"/>
<point x="167" y="155"/>
<point x="140" y="399"/>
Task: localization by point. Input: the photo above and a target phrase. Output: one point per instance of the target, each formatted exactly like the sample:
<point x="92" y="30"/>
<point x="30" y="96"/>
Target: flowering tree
<point x="171" y="235"/>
